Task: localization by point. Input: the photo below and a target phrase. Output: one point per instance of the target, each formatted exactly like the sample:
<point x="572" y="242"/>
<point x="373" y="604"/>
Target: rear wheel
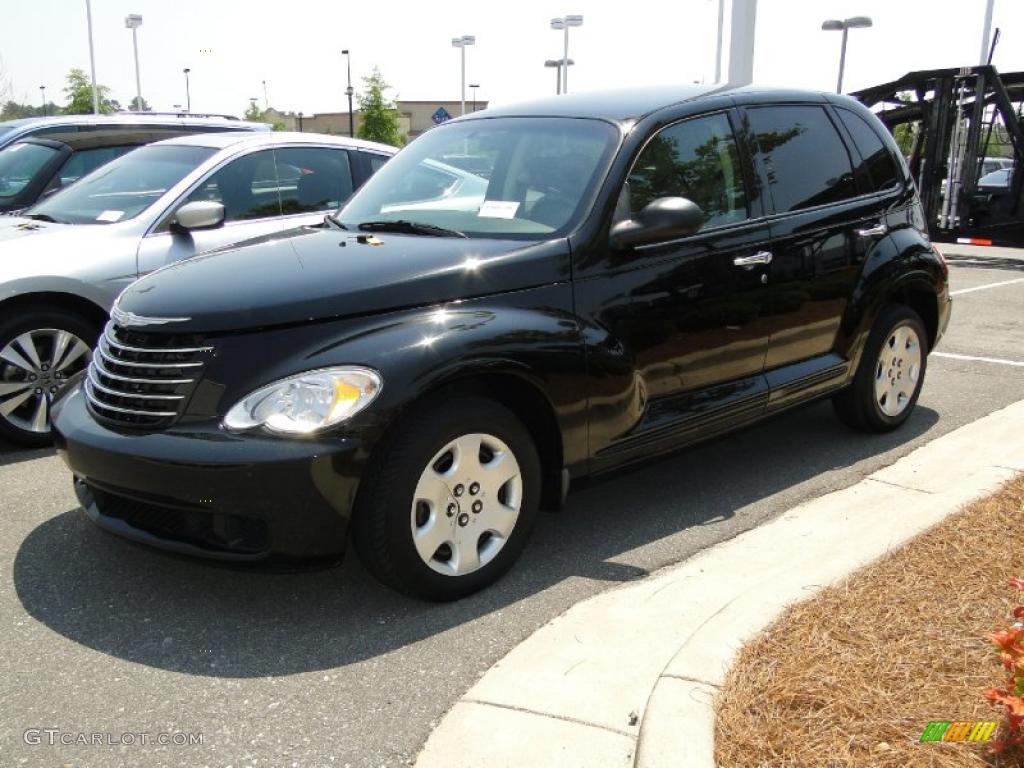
<point x="39" y="351"/>
<point x="449" y="502"/>
<point x="890" y="375"/>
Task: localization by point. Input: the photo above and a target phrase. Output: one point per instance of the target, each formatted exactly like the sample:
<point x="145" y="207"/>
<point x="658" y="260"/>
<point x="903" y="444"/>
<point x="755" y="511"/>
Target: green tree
<point x="253" y="113"/>
<point x="378" y="116"/>
<point x="79" y="93"/>
<point x="134" y="106"/>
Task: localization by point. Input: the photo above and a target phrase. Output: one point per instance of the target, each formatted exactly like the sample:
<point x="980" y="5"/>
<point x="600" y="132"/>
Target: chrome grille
<point x="142" y="379"/>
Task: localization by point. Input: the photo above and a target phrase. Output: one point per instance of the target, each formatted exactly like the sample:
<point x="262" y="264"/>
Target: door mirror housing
<point x="199" y="214"/>
<point x="666" y="218"/>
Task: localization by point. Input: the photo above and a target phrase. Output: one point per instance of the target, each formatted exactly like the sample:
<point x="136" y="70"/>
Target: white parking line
<point x="998" y="360"/>
<point x="983" y="287"/>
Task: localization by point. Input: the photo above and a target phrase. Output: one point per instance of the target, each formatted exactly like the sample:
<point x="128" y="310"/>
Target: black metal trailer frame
<point x="954" y="113"/>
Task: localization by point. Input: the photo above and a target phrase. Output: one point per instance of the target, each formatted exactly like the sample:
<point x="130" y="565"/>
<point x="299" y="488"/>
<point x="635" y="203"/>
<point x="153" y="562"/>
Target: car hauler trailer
<point x="949" y="122"/>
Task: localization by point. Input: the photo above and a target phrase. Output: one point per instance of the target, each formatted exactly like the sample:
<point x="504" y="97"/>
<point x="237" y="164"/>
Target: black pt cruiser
<point x="519" y="299"/>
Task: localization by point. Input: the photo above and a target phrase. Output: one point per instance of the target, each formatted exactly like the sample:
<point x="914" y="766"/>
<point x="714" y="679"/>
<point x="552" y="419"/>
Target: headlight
<point x="307" y="402"/>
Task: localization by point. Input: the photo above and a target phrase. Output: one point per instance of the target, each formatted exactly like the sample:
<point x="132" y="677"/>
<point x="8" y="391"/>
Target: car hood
<point x="313" y="273"/>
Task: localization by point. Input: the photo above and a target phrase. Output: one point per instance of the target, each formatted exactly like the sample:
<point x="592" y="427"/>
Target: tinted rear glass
<point x="19" y="164"/>
<point x="881" y="166"/>
<point x="803" y="160"/>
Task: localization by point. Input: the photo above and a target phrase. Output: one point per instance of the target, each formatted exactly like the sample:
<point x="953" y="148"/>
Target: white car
<point x="65" y="260"/>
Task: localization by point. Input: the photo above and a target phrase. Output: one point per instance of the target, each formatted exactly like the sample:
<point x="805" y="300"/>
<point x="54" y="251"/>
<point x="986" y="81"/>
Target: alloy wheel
<point x="466" y="503"/>
<point x="34" y="367"/>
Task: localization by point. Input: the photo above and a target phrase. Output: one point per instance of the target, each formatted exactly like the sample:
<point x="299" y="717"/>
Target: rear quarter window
<point x="880" y="164"/>
<point x="801" y="158"/>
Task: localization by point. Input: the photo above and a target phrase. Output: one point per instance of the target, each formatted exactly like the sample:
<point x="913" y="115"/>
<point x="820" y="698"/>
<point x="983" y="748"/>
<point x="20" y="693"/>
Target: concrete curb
<point x="628" y="677"/>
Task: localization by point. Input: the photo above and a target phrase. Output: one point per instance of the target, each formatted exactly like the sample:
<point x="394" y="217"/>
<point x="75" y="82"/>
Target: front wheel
<point x="39" y="351"/>
<point x="890" y="375"/>
<point x="449" y="502"/>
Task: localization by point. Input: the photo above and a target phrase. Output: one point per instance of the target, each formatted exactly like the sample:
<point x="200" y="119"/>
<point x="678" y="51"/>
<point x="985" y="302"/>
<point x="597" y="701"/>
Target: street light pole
<point x="133" y="21"/>
<point x="563" y="23"/>
<point x="188" y="94"/>
<point x="718" y="45"/>
<point x="266" y="101"/>
<point x="462" y="42"/>
<point x="473" y="87"/>
<point x="986" y="32"/>
<point x="844" y="26"/>
<point x="92" y="60"/>
<point x="42" y="90"/>
<point x="349" y="92"/>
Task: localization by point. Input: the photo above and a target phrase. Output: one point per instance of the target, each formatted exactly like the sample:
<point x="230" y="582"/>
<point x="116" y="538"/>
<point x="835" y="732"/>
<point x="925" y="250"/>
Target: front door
<point x="679" y="344"/>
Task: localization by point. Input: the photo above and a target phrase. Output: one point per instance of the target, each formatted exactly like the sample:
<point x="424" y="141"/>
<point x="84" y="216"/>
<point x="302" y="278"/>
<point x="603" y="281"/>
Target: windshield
<point x="19" y="163"/>
<point x="523" y="177"/>
<point x="123" y="188"/>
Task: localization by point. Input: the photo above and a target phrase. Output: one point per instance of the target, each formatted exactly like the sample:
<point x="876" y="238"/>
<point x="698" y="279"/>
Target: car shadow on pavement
<point x="12" y="454"/>
<point x="187" y="616"/>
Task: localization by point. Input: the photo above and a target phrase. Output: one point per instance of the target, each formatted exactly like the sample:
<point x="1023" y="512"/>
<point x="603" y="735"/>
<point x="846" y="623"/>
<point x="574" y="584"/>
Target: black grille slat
<point x="142" y="379"/>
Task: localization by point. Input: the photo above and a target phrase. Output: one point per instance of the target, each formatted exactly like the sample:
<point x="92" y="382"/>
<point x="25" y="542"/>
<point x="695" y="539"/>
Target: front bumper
<point x="200" y="490"/>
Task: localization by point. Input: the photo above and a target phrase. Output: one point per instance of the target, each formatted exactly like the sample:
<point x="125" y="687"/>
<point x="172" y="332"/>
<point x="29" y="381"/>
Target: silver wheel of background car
<point x="898" y="370"/>
<point x="35" y="366"/>
<point x="466" y="504"/>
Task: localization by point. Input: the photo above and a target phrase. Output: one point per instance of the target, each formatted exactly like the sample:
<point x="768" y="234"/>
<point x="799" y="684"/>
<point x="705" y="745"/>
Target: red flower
<point x="1017" y="582"/>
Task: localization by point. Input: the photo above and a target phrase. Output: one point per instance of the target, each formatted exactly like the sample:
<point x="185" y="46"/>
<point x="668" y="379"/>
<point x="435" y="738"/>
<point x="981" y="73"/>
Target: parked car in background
<point x="644" y="270"/>
<point x="996" y="181"/>
<point x="39" y="156"/>
<point x="64" y="261"/>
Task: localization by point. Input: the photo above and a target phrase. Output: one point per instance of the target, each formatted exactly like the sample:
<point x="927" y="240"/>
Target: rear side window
<point x="696" y="159"/>
<point x="802" y="159"/>
<point x="877" y="158"/>
<point x="85" y="161"/>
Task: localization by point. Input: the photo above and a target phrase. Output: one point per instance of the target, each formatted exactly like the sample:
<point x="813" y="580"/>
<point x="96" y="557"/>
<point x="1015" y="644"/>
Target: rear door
<point x="818" y="205"/>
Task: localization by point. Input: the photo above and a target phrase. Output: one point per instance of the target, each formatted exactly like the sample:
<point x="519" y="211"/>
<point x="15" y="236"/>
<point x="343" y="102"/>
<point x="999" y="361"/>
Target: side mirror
<point x="199" y="214"/>
<point x="666" y="218"/>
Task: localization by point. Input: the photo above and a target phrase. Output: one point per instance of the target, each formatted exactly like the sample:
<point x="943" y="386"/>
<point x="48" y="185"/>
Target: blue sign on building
<point x="441" y="116"/>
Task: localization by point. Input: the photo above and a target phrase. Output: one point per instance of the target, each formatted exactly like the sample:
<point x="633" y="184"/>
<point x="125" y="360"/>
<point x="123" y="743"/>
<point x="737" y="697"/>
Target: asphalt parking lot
<point x="329" y="668"/>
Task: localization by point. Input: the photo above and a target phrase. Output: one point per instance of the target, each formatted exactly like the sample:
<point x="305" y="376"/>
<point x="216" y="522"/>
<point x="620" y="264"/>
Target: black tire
<point x="15" y="325"/>
<point x="857" y="406"/>
<point x="383" y="517"/>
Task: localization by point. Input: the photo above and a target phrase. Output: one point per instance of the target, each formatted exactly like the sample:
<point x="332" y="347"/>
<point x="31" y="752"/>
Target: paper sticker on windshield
<point x="110" y="216"/>
<point x="499" y="209"/>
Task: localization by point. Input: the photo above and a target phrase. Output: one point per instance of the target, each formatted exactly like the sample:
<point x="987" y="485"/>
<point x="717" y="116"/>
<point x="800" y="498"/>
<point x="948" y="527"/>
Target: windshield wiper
<point x="409" y="228"/>
<point x="332" y="221"/>
<point x="42" y="217"/>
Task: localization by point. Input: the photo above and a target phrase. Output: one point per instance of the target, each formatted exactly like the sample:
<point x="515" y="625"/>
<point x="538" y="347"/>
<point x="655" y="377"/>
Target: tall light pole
<point x="92" y="60"/>
<point x="188" y="94"/>
<point x="462" y="42"/>
<point x="986" y="32"/>
<point x="348" y="92"/>
<point x="133" y="21"/>
<point x="718" y="44"/>
<point x="558" y="64"/>
<point x="266" y="101"/>
<point x="473" y="87"/>
<point x="835" y="25"/>
<point x="563" y="24"/>
<point x="42" y="91"/>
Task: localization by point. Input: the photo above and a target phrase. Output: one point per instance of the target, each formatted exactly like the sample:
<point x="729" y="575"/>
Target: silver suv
<point x="65" y="260"/>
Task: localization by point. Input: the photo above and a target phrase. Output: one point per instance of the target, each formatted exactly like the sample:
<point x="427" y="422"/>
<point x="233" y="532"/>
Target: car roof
<point x="134" y="118"/>
<point x="632" y="103"/>
<point x="227" y="139"/>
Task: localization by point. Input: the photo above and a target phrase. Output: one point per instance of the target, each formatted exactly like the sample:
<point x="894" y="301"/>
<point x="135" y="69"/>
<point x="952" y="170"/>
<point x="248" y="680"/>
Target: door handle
<point x="879" y="230"/>
<point x="761" y="257"/>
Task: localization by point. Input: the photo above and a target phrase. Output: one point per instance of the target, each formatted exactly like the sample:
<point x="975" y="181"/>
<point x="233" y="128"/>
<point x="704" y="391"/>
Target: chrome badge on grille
<point x="130" y="318"/>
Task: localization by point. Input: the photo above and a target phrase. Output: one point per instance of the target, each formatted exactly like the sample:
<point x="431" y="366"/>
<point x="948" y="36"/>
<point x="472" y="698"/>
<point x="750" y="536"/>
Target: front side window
<point x="696" y="159"/>
<point x="881" y="166"/>
<point x="521" y="177"/>
<point x="124" y="187"/>
<point x="19" y="164"/>
<point x="804" y="162"/>
<point x="247" y="187"/>
<point x="312" y="178"/>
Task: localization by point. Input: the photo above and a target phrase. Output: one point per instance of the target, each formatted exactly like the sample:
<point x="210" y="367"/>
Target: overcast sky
<point x="233" y="45"/>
